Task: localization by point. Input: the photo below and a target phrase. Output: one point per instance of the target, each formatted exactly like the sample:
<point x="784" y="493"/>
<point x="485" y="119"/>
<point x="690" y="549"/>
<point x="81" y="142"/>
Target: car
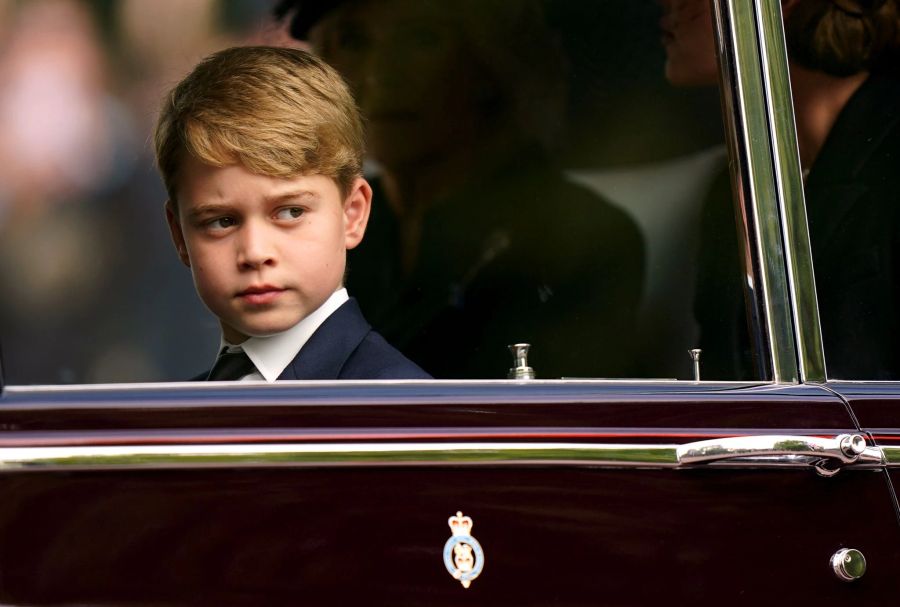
<point x="509" y="491"/>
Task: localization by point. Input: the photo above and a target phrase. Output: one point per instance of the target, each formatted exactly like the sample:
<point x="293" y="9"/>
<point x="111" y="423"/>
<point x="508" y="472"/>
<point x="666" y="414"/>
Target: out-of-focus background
<point x="90" y="288"/>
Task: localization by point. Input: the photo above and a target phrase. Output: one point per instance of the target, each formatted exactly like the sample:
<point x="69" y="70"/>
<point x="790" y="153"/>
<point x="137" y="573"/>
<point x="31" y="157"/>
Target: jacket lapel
<point x="326" y="352"/>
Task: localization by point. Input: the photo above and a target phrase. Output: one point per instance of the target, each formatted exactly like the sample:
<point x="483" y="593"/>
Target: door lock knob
<point x="853" y="445"/>
<point x="520" y="368"/>
<point x="849" y="564"/>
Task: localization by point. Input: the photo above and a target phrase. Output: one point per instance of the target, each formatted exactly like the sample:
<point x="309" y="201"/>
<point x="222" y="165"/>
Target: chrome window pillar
<point x="768" y="188"/>
<point x="789" y="182"/>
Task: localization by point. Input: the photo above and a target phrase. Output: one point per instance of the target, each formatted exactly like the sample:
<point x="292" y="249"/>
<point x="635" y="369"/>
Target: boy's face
<point x="265" y="252"/>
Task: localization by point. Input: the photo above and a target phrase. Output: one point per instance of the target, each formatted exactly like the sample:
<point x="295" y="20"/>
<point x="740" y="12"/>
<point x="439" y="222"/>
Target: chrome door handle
<point x="828" y="455"/>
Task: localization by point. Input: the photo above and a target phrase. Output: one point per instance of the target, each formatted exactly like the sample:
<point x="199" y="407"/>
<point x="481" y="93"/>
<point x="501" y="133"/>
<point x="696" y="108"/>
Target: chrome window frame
<point x="768" y="186"/>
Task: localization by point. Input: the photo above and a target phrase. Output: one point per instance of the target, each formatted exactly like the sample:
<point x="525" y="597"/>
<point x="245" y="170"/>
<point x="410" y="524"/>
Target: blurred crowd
<point x="90" y="289"/>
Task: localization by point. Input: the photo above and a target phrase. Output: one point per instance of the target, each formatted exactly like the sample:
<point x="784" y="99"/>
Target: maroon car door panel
<point x="579" y="493"/>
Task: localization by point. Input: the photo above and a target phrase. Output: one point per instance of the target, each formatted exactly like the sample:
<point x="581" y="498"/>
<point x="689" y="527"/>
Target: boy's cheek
<point x="178" y="236"/>
<point x="194" y="249"/>
<point x="214" y="294"/>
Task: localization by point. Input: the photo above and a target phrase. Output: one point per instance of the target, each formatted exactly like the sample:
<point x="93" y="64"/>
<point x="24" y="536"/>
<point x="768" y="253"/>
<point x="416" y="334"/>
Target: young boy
<point x="261" y="153"/>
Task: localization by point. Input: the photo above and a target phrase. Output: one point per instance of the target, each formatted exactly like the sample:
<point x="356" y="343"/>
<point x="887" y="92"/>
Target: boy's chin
<point x="239" y="332"/>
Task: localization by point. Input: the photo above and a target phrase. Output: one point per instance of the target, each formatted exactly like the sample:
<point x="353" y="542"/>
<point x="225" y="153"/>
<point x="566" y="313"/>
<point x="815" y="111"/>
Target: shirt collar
<point x="271" y="354"/>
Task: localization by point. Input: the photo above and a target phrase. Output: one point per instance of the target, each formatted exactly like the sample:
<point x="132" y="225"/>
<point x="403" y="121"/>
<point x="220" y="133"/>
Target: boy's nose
<point x="254" y="247"/>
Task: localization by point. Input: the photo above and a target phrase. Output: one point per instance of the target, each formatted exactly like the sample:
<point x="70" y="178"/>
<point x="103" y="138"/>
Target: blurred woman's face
<point x="687" y="35"/>
<point x="411" y="75"/>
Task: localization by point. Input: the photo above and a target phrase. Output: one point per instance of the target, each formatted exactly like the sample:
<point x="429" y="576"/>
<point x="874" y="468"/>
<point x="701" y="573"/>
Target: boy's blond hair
<point x="280" y="112"/>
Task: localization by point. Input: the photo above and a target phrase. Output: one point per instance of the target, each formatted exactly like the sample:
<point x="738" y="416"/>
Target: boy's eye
<point x="221" y="223"/>
<point x="289" y="213"/>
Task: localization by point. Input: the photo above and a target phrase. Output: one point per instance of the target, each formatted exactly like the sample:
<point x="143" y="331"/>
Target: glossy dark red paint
<point x="552" y="535"/>
<point x="346" y="536"/>
<point x="444" y="405"/>
<point x="875" y="404"/>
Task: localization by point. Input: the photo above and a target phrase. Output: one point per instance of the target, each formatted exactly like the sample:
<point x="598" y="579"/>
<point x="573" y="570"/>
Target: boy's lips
<point x="260" y="294"/>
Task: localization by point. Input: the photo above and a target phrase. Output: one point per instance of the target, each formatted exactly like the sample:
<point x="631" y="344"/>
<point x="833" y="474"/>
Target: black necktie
<point x="231" y="366"/>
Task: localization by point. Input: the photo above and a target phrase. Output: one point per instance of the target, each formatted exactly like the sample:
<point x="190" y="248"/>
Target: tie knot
<point x="231" y="366"/>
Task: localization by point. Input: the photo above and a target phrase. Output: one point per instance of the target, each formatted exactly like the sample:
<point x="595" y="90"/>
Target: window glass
<point x="544" y="172"/>
<point x="846" y="89"/>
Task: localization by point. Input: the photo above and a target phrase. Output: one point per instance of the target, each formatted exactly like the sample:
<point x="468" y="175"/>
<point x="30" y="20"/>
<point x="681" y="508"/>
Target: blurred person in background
<point x="477" y="240"/>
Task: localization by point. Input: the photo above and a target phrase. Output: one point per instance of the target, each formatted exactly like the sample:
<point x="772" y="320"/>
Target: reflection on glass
<point x="478" y="239"/>
<point x="844" y="76"/>
<point x="538" y="181"/>
<point x="688" y="39"/>
<point x="843" y="58"/>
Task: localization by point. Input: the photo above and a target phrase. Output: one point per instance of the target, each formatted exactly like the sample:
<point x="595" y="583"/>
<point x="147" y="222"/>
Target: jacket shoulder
<point x="375" y="358"/>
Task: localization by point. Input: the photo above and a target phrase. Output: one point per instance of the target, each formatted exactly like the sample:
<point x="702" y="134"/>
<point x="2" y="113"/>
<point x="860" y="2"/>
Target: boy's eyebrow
<point x="290" y="195"/>
<point x="206" y="209"/>
<point x="214" y="207"/>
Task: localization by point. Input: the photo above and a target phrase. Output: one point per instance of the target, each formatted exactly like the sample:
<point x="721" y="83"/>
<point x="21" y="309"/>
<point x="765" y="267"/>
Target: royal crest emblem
<point x="463" y="555"/>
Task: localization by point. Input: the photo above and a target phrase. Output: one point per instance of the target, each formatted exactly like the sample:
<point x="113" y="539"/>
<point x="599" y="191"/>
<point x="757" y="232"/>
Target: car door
<point x="578" y="493"/>
<point x="511" y="492"/>
<point x="874" y="404"/>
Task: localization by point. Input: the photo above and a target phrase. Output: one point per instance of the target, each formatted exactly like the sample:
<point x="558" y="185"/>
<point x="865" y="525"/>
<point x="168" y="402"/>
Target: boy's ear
<point x="356" y="212"/>
<point x="177" y="235"/>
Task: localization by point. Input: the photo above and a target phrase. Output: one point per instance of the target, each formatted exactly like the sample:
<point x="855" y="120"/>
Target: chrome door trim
<point x="753" y="181"/>
<point x="740" y="451"/>
<point x="335" y="454"/>
<point x="425" y="385"/>
<point x="789" y="183"/>
<point x="841" y="449"/>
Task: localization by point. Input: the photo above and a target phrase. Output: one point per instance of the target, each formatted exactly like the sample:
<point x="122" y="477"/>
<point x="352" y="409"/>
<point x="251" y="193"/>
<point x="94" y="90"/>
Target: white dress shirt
<point x="271" y="354"/>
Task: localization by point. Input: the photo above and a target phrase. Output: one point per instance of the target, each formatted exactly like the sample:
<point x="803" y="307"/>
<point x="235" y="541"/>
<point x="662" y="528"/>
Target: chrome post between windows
<point x="758" y="208"/>
<point x="789" y="183"/>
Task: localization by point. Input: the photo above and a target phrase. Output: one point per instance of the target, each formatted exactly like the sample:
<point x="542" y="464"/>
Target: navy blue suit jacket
<point x="346" y="347"/>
